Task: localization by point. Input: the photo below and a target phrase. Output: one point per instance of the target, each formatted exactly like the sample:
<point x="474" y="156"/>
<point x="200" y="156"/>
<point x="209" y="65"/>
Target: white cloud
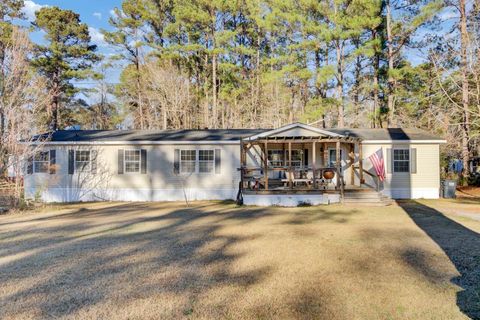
<point x="29" y="9"/>
<point x="97" y="37"/>
<point x="112" y="13"/>
<point x="97" y="15"/>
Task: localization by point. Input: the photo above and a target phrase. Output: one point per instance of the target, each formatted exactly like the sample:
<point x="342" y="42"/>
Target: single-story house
<point x="289" y="165"/>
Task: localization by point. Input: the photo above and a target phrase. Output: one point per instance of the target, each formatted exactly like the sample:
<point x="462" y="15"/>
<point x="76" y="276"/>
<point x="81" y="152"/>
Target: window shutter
<point x="71" y="161"/>
<point x="30" y="165"/>
<point x="120" y="161"/>
<point x="413" y="160"/>
<point x="218" y="160"/>
<point x="53" y="161"/>
<point x="143" y="161"/>
<point x="93" y="161"/>
<point x="305" y="157"/>
<point x="389" y="160"/>
<point x="176" y="161"/>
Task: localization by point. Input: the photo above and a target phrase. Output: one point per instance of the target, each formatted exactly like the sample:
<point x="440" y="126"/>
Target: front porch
<point x="300" y="162"/>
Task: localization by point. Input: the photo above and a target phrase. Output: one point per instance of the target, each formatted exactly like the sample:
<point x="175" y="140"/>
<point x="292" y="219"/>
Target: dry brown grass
<point x="214" y="260"/>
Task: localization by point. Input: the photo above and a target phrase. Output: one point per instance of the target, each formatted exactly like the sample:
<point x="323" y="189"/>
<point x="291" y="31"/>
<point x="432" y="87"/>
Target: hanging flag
<point x="377" y="161"/>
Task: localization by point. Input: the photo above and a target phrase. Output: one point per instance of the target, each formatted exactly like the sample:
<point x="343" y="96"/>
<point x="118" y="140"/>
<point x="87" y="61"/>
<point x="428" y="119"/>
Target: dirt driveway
<point x="214" y="260"/>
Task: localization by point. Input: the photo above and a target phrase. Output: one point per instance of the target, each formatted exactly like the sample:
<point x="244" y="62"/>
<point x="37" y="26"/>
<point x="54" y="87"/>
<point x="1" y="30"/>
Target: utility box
<point x="448" y="189"/>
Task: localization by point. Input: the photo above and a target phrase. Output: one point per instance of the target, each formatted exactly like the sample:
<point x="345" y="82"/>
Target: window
<point x="275" y="158"/>
<point x="332" y="156"/>
<point x="41" y="162"/>
<point x="132" y="161"/>
<point x="401" y="160"/>
<point x="187" y="161"/>
<point x="297" y="157"/>
<point x="83" y="161"/>
<point x="206" y="161"/>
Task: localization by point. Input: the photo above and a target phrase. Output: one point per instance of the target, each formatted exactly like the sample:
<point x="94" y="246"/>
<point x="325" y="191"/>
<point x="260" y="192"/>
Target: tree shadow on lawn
<point x="460" y="244"/>
<point x="89" y="255"/>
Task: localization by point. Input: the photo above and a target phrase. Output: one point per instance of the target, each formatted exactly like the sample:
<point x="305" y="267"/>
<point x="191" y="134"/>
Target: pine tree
<point x="68" y="55"/>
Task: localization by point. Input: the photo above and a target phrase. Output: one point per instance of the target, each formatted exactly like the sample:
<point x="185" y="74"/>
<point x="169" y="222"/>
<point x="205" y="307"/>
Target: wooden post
<point x="360" y="163"/>
<point x="352" y="161"/>
<point x="290" y="182"/>
<point x="338" y="162"/>
<point x="314" y="165"/>
<point x="325" y="155"/>
<point x="265" y="164"/>
<point x="242" y="163"/>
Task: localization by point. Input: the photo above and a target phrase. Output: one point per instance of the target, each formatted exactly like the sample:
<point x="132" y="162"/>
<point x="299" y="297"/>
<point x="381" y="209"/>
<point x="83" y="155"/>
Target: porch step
<point x="366" y="197"/>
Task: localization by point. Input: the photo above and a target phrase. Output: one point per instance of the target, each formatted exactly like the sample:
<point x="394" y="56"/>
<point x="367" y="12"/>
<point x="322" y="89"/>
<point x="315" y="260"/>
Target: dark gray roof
<point x="388" y="134"/>
<point x="219" y="135"/>
<point x="149" y="135"/>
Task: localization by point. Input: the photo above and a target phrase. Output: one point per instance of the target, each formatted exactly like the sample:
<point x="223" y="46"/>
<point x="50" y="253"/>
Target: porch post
<point x="265" y="165"/>
<point x="290" y="182"/>
<point x="242" y="163"/>
<point x="352" y="166"/>
<point x="338" y="162"/>
<point x="360" y="163"/>
<point x="314" y="166"/>
<point x="325" y="155"/>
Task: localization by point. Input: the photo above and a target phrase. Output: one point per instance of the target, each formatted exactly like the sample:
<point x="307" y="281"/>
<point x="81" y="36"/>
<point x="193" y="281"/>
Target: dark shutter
<point x="93" y="161"/>
<point x="143" y="161"/>
<point x="120" y="161"/>
<point x="305" y="157"/>
<point x="53" y="161"/>
<point x="30" y="165"/>
<point x="71" y="161"/>
<point x="176" y="161"/>
<point x="389" y="161"/>
<point x="218" y="160"/>
<point x="413" y="160"/>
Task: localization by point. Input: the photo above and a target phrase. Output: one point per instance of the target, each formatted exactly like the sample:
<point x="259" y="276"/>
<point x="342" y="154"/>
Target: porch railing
<point x="293" y="178"/>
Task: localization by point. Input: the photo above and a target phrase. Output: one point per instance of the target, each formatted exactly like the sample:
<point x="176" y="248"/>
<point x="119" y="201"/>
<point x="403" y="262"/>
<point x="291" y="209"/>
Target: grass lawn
<point x="415" y="260"/>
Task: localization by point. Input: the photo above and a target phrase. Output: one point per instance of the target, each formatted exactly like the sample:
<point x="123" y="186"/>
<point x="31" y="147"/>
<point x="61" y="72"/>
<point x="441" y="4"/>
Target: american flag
<point x="377" y="160"/>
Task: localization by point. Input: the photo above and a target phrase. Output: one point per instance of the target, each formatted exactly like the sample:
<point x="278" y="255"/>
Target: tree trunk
<point x="55" y="103"/>
<point x="214" y="91"/>
<point x="391" y="80"/>
<point x="339" y="87"/>
<point x="376" y="72"/>
<point x="465" y="89"/>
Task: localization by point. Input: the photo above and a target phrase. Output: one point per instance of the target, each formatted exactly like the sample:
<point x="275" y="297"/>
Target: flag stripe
<point x="377" y="161"/>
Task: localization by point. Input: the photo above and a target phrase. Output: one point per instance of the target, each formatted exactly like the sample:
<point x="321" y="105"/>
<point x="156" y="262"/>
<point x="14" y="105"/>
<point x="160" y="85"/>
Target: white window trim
<point x="329" y="156"/>
<point x="197" y="162"/>
<point x="409" y="161"/>
<point x="186" y="173"/>
<point x="47" y="161"/>
<point x="125" y="161"/>
<point x="89" y="162"/>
